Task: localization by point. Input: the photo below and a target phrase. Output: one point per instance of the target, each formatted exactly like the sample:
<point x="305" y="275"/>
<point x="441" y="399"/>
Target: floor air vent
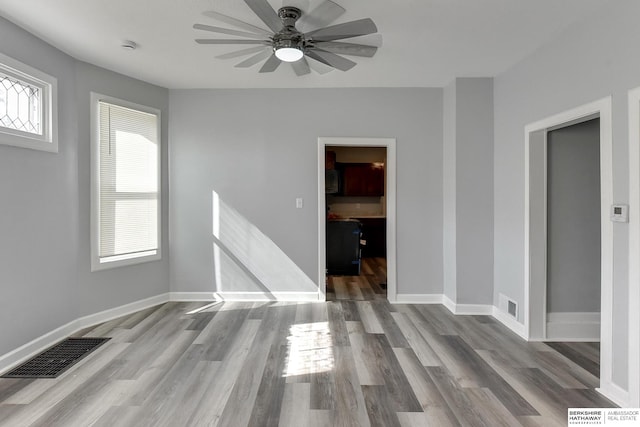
<point x="57" y="359"/>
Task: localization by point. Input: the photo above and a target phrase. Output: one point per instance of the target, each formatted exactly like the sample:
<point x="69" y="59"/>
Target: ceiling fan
<point x="287" y="41"/>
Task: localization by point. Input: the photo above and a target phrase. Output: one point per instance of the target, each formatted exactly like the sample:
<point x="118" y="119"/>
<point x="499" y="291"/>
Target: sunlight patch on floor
<point x="309" y="349"/>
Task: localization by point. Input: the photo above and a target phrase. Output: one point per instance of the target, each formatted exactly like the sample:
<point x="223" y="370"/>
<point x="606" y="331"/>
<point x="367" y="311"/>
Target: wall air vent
<point x="507" y="305"/>
<point x="512" y="308"/>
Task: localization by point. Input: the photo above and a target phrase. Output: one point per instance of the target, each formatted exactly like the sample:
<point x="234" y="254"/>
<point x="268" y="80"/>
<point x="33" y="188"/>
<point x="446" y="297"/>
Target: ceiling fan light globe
<point x="289" y="54"/>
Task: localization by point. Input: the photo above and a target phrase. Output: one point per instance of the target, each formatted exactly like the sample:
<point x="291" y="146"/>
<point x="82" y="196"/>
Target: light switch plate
<point x="299" y="203"/>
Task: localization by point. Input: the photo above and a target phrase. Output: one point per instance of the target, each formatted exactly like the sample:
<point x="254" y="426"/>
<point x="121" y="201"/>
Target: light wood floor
<point x="369" y="285"/>
<point x="351" y="362"/>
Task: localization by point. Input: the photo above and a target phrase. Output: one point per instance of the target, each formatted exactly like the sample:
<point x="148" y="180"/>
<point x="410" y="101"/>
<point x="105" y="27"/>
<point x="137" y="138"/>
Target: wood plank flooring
<point x="369" y="285"/>
<point x="354" y="361"/>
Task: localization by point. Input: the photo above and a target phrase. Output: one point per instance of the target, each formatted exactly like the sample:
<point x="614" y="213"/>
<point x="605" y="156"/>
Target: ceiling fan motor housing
<point x="289" y="16"/>
<point x="289" y="36"/>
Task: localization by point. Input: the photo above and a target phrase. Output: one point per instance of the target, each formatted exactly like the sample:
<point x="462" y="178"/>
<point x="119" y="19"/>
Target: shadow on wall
<point x="247" y="261"/>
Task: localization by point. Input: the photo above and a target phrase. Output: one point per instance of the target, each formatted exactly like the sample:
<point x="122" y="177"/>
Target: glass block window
<point x="20" y="105"/>
<point x="28" y="110"/>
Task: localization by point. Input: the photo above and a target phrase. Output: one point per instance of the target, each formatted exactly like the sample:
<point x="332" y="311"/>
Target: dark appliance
<point x="343" y="247"/>
<point x="331" y="181"/>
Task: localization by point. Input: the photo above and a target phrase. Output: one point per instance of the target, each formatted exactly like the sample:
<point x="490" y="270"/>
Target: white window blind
<point x="128" y="211"/>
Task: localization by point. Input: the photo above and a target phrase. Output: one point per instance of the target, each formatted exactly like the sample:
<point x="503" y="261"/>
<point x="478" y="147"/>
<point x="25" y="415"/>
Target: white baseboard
<point x="569" y="326"/>
<point x="267" y="296"/>
<point x="467" y="309"/>
<point x="28" y="350"/>
<point x="510" y="322"/>
<point x="192" y="296"/>
<point x="418" y="299"/>
<point x="615" y="394"/>
<point x="448" y="302"/>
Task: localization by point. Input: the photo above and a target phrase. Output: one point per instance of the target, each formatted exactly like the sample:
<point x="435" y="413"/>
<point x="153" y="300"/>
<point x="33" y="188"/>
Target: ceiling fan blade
<point x="369" y="40"/>
<point x="300" y="4"/>
<point x="346" y="30"/>
<point x="231" y="41"/>
<point x="241" y="52"/>
<point x="271" y="64"/>
<point x="354" y="49"/>
<point x="236" y="22"/>
<point x="321" y="16"/>
<point x="319" y="67"/>
<point x="336" y="61"/>
<point x="303" y="5"/>
<point x="265" y="12"/>
<point x="253" y="60"/>
<point x="301" y="67"/>
<point x="224" y="31"/>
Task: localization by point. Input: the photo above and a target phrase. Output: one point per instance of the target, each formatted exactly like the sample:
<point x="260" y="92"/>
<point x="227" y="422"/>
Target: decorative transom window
<point x="20" y="105"/>
<point x="125" y="183"/>
<point x="27" y="106"/>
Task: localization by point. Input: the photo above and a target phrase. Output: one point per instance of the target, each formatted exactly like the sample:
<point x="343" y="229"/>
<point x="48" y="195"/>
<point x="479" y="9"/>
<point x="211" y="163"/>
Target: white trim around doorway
<point x="533" y="308"/>
<point x="390" y="199"/>
<point x="634" y="248"/>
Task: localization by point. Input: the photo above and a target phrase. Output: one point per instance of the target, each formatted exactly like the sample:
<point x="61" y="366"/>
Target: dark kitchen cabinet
<point x="374" y="232"/>
<point x="330" y="160"/>
<point x="343" y="247"/>
<point x="362" y="179"/>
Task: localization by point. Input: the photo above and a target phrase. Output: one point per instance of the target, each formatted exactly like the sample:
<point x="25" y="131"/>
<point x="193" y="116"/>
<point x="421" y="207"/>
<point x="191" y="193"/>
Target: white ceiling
<point x="426" y="43"/>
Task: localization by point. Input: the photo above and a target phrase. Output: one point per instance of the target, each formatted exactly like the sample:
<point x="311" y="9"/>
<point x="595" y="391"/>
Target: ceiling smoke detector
<point x="129" y="45"/>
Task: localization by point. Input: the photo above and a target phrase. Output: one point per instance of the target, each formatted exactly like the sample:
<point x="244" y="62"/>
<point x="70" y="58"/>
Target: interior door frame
<point x="535" y="298"/>
<point x="390" y="200"/>
<point x="634" y="248"/>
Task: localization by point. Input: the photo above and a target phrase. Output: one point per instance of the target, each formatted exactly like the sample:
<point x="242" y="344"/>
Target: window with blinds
<point x="127" y="188"/>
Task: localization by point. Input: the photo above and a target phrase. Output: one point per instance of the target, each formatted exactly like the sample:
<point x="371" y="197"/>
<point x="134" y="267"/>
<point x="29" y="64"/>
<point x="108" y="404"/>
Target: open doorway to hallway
<point x="547" y="315"/>
<point x="573" y="242"/>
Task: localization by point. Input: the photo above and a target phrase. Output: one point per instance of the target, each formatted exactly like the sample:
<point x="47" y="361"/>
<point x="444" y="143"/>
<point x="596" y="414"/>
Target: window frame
<point x="96" y="263"/>
<point x="48" y="139"/>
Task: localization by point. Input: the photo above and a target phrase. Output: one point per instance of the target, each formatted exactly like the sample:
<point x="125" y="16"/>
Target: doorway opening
<point x="356" y="250"/>
<point x="542" y="268"/>
<point x="573" y="232"/>
<point x="356" y="218"/>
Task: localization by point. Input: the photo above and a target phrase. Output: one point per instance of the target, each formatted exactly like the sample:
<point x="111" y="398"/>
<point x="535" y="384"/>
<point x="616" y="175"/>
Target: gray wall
<point x="449" y="219"/>
<point x="573" y="218"/>
<point x="117" y="286"/>
<point x="537" y="236"/>
<point x="44" y="208"/>
<point x="38" y="210"/>
<point x="468" y="191"/>
<point x="257" y="149"/>
<point x="474" y="190"/>
<point x="591" y="60"/>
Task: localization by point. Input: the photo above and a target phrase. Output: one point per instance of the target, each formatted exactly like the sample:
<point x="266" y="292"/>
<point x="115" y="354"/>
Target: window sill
<point x="100" y="265"/>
